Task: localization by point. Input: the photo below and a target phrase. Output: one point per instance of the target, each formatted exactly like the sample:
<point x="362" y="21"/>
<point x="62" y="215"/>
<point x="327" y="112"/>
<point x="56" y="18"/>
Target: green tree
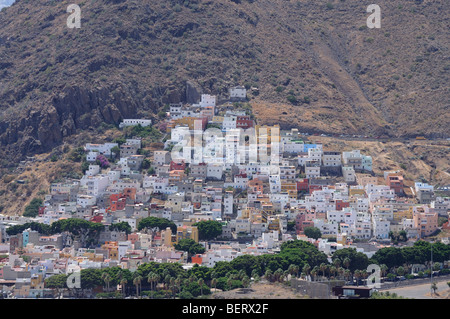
<point x="190" y="246"/>
<point x="77" y="154"/>
<point x="312" y="232"/>
<point x="122" y="226"/>
<point x="146" y="164"/>
<point x="32" y="209"/>
<point x="84" y="231"/>
<point x="247" y="263"/>
<point x="90" y="278"/>
<point x="400" y="271"/>
<point x="208" y="229"/>
<point x="156" y="222"/>
<point x="434" y="287"/>
<point x="291" y="225"/>
<point x="56" y="281"/>
<point x="116" y="151"/>
<point x="352" y="259"/>
<point x="385" y="295"/>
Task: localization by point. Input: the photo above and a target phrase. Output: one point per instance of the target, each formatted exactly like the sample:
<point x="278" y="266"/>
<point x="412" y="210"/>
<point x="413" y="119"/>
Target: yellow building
<point x="268" y="208"/>
<point x="113" y="249"/>
<point x="37" y="282"/>
<point x="189" y="121"/>
<point x="187" y="232"/>
<point x="356" y="191"/>
<point x="399" y="215"/>
<point x="217" y="119"/>
<point x="290" y="188"/>
<point x="266" y="131"/>
<point x="256" y="217"/>
<point x="273" y="224"/>
<point x="183" y="232"/>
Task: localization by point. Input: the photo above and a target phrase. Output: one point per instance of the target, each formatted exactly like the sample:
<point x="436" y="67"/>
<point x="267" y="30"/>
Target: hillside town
<point x="263" y="185"/>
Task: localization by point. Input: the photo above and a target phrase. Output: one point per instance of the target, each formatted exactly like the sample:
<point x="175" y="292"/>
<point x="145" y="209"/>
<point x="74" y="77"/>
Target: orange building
<point x="188" y="121"/>
<point x="255" y="185"/>
<point x="117" y="202"/>
<point x="197" y="259"/>
<point x="395" y="182"/>
<point x="129" y="193"/>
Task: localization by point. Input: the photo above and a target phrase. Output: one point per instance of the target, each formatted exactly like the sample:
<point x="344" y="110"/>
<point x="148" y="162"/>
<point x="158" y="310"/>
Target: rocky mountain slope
<point x="316" y="64"/>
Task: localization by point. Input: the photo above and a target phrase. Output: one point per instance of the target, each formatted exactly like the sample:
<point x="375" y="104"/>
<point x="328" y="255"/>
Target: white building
<point x="312" y="169"/>
<point x="104" y="149"/>
<point x="349" y="174"/>
<point x="381" y="228"/>
<point x="86" y="200"/>
<point x="331" y="159"/>
<point x="134" y="122"/>
<point x="229" y="122"/>
<point x="96" y="185"/>
<point x="214" y="171"/>
<point x="207" y="100"/>
<point x="92" y="156"/>
<point x="238" y="93"/>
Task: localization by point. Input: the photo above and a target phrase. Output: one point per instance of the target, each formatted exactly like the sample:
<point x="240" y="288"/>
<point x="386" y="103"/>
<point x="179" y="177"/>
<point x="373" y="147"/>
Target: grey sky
<point x="5" y="3"/>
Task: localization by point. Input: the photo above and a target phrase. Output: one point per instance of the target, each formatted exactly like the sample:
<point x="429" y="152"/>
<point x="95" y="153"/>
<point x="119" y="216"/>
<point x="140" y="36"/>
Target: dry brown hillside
<point x="316" y="64"/>
<point x="419" y="160"/>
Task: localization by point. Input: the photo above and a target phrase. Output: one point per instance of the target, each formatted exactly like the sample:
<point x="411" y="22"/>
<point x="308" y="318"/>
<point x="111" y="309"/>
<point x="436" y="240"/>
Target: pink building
<point x="425" y="222"/>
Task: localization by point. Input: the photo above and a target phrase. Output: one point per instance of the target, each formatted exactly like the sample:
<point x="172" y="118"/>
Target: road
<point x="420" y="291"/>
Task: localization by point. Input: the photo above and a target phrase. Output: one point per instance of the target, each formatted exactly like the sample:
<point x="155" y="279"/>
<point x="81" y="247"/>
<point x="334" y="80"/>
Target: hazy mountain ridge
<point x="131" y="57"/>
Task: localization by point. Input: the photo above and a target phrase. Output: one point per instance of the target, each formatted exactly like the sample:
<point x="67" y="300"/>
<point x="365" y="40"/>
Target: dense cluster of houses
<point x="259" y="204"/>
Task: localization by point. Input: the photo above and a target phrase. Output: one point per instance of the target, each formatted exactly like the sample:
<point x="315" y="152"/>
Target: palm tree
<point x="346" y="262"/>
<point x="200" y="283"/>
<point x="268" y="275"/>
<point x="214" y="283"/>
<point x="245" y="281"/>
<point x="153" y="279"/>
<point x="106" y="278"/>
<point x="364" y="274"/>
<point x="278" y="274"/>
<point x="357" y="275"/>
<point x="434" y="287"/>
<point x="340" y="271"/>
<point x="337" y="262"/>
<point x="333" y="270"/>
<point x="322" y="268"/>
<point x="137" y="282"/>
<point x="314" y="272"/>
<point x="285" y="275"/>
<point x="173" y="286"/>
<point x="295" y="269"/>
<point x="291" y="269"/>
<point x="347" y="274"/>
<point x="229" y="283"/>
<point x="123" y="283"/>
<point x="255" y="273"/>
<point x="178" y="283"/>
<point x="167" y="281"/>
<point x="383" y="270"/>
<point x="306" y="269"/>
